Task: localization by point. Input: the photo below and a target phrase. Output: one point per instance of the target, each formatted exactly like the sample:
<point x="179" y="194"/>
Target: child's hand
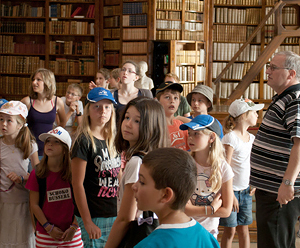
<point x="56" y="233"/>
<point x="252" y="191"/>
<point x="14" y="177"/>
<point x="93" y="231"/>
<point x="92" y="85"/>
<point x="235" y="207"/>
<point x="68" y="234"/>
<point x="73" y="106"/>
<point x="217" y="202"/>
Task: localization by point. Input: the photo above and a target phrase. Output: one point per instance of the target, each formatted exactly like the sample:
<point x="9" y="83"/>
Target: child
<point x="167" y="179"/>
<point x="102" y="77"/>
<point x="214" y="173"/>
<point x="73" y="106"/>
<point x="17" y="146"/>
<point x="43" y="105"/>
<point x="2" y="101"/>
<point x="142" y="128"/>
<point x="115" y="80"/>
<point x="238" y="144"/>
<point x="168" y="94"/>
<point x="50" y="193"/>
<point x="95" y="167"/>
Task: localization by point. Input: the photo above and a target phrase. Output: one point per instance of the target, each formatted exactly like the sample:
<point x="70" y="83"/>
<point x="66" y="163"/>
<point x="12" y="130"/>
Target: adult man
<point x="275" y="156"/>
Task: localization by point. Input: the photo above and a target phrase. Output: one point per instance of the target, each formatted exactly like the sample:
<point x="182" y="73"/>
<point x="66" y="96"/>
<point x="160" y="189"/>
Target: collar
<point x="290" y="89"/>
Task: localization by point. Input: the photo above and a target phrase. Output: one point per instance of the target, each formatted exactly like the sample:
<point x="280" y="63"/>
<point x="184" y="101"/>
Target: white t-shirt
<point x="73" y="116"/>
<point x="203" y="194"/>
<point x="11" y="159"/>
<point x="240" y="160"/>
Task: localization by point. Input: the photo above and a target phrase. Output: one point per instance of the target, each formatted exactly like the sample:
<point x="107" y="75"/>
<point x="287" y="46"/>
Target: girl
<point x="238" y="144"/>
<point x="102" y="77"/>
<point x="43" y="105"/>
<point x="130" y="72"/>
<point x="95" y="167"/>
<point x="214" y="174"/>
<point x="50" y="193"/>
<point x="142" y="128"/>
<point x="17" y="146"/>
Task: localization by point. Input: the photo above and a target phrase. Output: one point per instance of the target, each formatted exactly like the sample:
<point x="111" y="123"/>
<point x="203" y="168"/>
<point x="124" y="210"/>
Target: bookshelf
<point x="58" y="35"/>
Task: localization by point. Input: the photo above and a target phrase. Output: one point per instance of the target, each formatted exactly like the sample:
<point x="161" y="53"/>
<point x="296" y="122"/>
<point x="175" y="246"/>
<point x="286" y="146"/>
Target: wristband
<point x="205" y="210"/>
<point x="73" y="227"/>
<point x="80" y="114"/>
<point x="51" y="229"/>
<point x="46" y="224"/>
<point x="73" y="224"/>
<point x="212" y="209"/>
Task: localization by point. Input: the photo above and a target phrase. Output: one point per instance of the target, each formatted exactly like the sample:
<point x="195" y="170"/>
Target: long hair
<point x="109" y="131"/>
<point x="230" y="122"/>
<point x="42" y="169"/>
<point x="215" y="159"/>
<point x="153" y="132"/>
<point x="49" y="83"/>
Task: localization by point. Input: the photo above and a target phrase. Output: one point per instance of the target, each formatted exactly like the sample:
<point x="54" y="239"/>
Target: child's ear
<point x="212" y="137"/>
<point x="118" y="80"/>
<point x="168" y="195"/>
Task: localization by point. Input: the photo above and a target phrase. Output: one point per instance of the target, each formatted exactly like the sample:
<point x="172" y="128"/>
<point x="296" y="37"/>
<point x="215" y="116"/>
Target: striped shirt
<point x="273" y="143"/>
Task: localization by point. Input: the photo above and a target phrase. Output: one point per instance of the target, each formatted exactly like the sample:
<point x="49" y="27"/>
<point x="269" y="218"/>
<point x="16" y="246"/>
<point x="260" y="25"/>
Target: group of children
<point x="79" y="194"/>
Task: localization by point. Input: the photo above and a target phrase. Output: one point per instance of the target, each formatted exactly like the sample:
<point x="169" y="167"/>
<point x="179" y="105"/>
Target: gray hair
<point x="292" y="61"/>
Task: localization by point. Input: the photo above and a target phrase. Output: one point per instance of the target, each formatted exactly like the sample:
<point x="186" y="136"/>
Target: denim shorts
<point x="244" y="216"/>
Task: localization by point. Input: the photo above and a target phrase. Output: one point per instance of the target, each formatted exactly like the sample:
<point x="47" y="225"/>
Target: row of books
<point x="135" y="34"/>
<point x="193" y="16"/>
<point x="63" y="66"/>
<point x="191" y="35"/>
<point x="70" y="27"/>
<point x="239" y="16"/>
<point x="239" y="2"/>
<point x="194" y="5"/>
<point x="22" y="10"/>
<point x="111" y="59"/>
<point x="20" y="64"/>
<point x="230" y="33"/>
<point x="163" y="24"/>
<point x="187" y="73"/>
<point x="14" y="85"/>
<point x="111" y="10"/>
<point x="269" y="34"/>
<point x="236" y="72"/>
<point x="110" y="22"/>
<point x="162" y="14"/>
<point x="169" y="4"/>
<point x="168" y="35"/>
<point x="112" y="45"/>
<point x="289" y="16"/>
<point x="134" y="47"/>
<point x="69" y="10"/>
<point x="135" y="8"/>
<point x="7" y="45"/>
<point x="134" y="20"/>
<point x="192" y="56"/>
<point x="22" y="27"/>
<point x="72" y="47"/>
<point x="92" y="1"/>
<point x="111" y="33"/>
<point x="194" y="26"/>
<point x="225" y="51"/>
<point x="187" y="88"/>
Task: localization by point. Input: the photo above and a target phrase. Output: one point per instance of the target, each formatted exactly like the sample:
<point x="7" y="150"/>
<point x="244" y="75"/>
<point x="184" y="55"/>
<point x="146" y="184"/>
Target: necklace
<point x="10" y="147"/>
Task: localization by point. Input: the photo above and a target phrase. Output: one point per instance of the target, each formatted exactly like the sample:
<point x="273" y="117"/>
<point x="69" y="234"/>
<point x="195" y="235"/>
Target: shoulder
<point x="146" y="92"/>
<point x="26" y="101"/>
<point x="229" y="138"/>
<point x="226" y="171"/>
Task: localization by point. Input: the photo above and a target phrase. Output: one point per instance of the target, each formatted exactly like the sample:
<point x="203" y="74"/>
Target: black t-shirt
<point x="100" y="182"/>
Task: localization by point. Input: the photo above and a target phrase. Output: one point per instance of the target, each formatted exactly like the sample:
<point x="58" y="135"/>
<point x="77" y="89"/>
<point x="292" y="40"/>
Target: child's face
<point x="198" y="140"/>
<point x="100" y="112"/>
<point x="145" y="193"/>
<point x="170" y="102"/>
<point x="113" y="82"/>
<point x="128" y="74"/>
<point x="251" y="118"/>
<point x="38" y="83"/>
<point x="200" y="104"/>
<point x="53" y="147"/>
<point x="101" y="81"/>
<point x="131" y="125"/>
<point x="9" y="125"/>
<point x="72" y="95"/>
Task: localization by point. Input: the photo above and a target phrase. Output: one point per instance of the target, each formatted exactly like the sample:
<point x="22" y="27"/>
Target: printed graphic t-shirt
<point x="178" y="137"/>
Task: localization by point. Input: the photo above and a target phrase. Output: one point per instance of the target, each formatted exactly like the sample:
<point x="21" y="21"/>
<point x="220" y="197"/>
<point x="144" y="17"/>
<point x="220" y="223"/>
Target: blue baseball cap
<point x="201" y="122"/>
<point x="97" y="94"/>
<point x="2" y="101"/>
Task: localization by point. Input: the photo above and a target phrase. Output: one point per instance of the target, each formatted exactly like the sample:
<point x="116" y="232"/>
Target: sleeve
<point x="228" y="139"/>
<point x="34" y="147"/>
<point x="32" y="183"/>
<point x="226" y="172"/>
<point x="185" y="105"/>
<point x="132" y="170"/>
<point x="81" y="148"/>
<point x="80" y="105"/>
<point x="292" y="118"/>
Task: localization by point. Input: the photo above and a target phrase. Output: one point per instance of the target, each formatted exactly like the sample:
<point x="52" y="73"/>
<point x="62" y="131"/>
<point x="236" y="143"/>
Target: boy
<point x="168" y="94"/>
<point x="167" y="179"/>
<point x="73" y="106"/>
<point x="114" y="80"/>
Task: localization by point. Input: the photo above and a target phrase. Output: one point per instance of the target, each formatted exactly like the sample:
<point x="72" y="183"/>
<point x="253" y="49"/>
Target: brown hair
<point x="105" y="72"/>
<point x="115" y="73"/>
<point x="173" y="75"/>
<point x="172" y="91"/>
<point x="230" y="122"/>
<point x="174" y="168"/>
<point x="137" y="68"/>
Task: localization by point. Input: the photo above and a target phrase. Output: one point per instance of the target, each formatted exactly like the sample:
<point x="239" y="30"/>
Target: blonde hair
<point x="76" y="87"/>
<point x="49" y="83"/>
<point x="109" y="131"/>
<point x="173" y="75"/>
<point x="230" y="122"/>
<point x="215" y="159"/>
<point x="115" y="73"/>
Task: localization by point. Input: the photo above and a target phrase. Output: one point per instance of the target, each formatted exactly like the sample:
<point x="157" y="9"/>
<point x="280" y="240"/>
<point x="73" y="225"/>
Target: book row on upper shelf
<point x="22" y="27"/>
<point x="289" y="16"/>
<point x="21" y="10"/>
<point x="111" y="33"/>
<point x="20" y="64"/>
<point x="111" y="22"/>
<point x="187" y="88"/>
<point x="192" y="5"/>
<point x="72" y="47"/>
<point x="239" y="2"/>
<point x="235" y="72"/>
<point x="250" y="16"/>
<point x="230" y="33"/>
<point x="134" y="20"/>
<point x="190" y="57"/>
<point x="7" y="45"/>
<point x="135" y="8"/>
<point x="111" y="10"/>
<point x="71" y="11"/>
<point x="71" y="27"/>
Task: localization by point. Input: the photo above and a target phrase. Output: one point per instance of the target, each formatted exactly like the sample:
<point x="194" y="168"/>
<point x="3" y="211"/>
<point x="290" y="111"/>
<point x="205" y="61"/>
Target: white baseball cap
<point x="14" y="108"/>
<point x="59" y="133"/>
<point x="241" y="106"/>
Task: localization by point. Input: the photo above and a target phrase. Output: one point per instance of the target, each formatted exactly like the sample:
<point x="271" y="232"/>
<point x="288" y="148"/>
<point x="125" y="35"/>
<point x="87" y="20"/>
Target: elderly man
<point x="275" y="156"/>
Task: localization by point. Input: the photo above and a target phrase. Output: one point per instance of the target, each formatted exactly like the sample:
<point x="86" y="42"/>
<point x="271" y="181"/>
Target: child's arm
<point x="78" y="173"/>
<point x="34" y="159"/>
<point x="52" y="230"/>
<point x="183" y="119"/>
<point x="126" y="214"/>
<point x="60" y="109"/>
<point x="227" y="197"/>
<point x="70" y="232"/>
<point x="79" y="120"/>
<point x="92" y="85"/>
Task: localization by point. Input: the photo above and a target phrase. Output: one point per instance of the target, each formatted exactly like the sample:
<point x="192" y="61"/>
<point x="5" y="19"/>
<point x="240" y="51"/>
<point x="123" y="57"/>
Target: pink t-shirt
<point x="58" y="207"/>
<point x="178" y="137"/>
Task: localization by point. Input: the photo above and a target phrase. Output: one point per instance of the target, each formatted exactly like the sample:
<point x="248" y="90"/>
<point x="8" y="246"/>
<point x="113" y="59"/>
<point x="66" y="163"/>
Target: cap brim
<point x="257" y="107"/>
<point x="99" y="99"/>
<point x="174" y="86"/>
<point x="45" y="136"/>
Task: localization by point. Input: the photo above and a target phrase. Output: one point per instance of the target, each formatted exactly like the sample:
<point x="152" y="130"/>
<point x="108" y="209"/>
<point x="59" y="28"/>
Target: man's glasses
<point x="274" y="67"/>
<point x="128" y="70"/>
<point x="70" y="93"/>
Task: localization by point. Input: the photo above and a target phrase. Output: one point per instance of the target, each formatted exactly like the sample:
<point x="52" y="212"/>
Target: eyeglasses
<point x="70" y="93"/>
<point x="274" y="67"/>
<point x="128" y="70"/>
